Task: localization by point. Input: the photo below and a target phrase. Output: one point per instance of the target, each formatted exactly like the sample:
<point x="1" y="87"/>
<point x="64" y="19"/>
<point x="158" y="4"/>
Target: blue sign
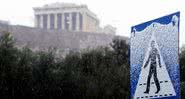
<point x="154" y="59"/>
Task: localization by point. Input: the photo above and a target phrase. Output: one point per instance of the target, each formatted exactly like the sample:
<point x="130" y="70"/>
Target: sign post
<point x="154" y="59"/>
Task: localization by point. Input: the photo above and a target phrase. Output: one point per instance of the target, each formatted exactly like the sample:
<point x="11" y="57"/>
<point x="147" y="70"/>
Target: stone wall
<point x="40" y="39"/>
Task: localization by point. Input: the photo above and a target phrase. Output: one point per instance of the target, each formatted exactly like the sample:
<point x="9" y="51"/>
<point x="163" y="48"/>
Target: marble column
<point x="83" y="21"/>
<point x="77" y="22"/>
<point x="36" y="24"/>
<point x="41" y="21"/>
<point x="48" y="24"/>
<point x="55" y="21"/>
<point x="63" y="21"/>
<point x="70" y="21"/>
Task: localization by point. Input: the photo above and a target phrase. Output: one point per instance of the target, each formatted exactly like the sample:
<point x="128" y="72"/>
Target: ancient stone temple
<point x="68" y="17"/>
<point x="62" y="26"/>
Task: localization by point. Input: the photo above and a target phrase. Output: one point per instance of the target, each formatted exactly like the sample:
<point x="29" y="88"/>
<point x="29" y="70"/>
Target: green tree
<point x="8" y="63"/>
<point x="121" y="50"/>
<point x="106" y="77"/>
<point x="23" y="73"/>
<point x="182" y="90"/>
<point x="182" y="63"/>
<point x="42" y="74"/>
<point x="182" y="69"/>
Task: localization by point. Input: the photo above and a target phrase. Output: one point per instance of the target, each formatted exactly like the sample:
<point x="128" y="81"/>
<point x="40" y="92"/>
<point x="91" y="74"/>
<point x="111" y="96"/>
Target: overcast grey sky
<point x="122" y="14"/>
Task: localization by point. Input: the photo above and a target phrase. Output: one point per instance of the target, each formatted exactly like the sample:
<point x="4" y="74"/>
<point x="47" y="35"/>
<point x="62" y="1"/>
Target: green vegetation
<point x="182" y="64"/>
<point x="101" y="73"/>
